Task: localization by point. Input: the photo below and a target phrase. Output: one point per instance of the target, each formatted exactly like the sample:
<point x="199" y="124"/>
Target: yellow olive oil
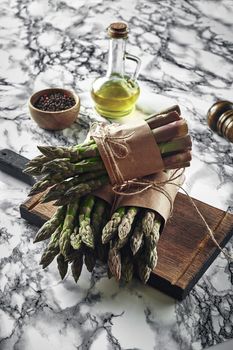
<point x="115" y="97"/>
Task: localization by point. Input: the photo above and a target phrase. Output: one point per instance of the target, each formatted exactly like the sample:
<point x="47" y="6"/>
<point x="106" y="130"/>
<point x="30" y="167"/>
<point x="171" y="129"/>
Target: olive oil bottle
<point x="115" y="94"/>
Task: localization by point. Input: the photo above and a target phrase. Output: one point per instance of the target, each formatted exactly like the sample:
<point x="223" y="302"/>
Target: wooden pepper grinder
<point x="220" y="119"/>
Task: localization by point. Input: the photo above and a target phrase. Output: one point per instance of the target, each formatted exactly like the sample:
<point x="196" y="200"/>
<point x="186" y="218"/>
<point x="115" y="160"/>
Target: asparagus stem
<point x="175" y="145"/>
<point x="98" y="216"/>
<point x="85" y="229"/>
<point x="127" y="269"/>
<point x="179" y="158"/>
<point x="68" y="227"/>
<point x="110" y="229"/>
<point x="82" y="189"/>
<point x="89" y="259"/>
<point x="155" y="121"/>
<point x="61" y="188"/>
<point x="151" y="244"/>
<point x="114" y="263"/>
<point x="144" y="270"/>
<point x="50" y="226"/>
<point x="62" y="266"/>
<point x="76" y="268"/>
<point x="63" y="165"/>
<point x="52" y="249"/>
<point x="170" y="131"/>
<point x="148" y="222"/>
<point x="76" y="239"/>
<point x="126" y="223"/>
<point x="74" y="152"/>
<point x="136" y="240"/>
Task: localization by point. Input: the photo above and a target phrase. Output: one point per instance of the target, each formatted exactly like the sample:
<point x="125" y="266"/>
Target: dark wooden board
<point x="185" y="250"/>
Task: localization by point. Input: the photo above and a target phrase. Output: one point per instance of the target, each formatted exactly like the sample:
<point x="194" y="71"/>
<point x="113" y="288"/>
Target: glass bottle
<point x="116" y="93"/>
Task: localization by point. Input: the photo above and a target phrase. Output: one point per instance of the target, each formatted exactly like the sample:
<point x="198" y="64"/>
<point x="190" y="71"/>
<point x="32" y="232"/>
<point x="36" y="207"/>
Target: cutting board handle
<point x="13" y="164"/>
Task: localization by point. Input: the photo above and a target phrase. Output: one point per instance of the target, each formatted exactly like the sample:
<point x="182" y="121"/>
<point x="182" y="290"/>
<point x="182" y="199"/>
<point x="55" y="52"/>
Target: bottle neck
<point x="116" y="57"/>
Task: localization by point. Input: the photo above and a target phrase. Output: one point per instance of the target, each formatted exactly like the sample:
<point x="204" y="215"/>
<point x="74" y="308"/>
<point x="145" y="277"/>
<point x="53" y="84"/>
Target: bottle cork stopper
<point x="118" y="30"/>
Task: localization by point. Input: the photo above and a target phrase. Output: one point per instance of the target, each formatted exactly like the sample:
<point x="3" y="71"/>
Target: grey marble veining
<point x="186" y="50"/>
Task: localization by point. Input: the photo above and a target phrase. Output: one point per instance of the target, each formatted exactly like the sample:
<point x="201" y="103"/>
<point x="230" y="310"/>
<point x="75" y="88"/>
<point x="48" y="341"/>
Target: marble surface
<point x="186" y="48"/>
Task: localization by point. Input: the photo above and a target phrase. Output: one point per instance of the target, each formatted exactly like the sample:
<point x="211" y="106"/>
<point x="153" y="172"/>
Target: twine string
<point x="113" y="147"/>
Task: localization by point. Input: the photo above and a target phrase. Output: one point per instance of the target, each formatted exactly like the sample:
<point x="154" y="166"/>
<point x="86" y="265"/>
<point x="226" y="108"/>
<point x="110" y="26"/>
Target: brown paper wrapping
<point x="150" y="198"/>
<point x="153" y="199"/>
<point x="106" y="193"/>
<point x="128" y="151"/>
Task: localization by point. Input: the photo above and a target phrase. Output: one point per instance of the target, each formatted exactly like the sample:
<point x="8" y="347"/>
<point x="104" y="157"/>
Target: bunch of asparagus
<point x="133" y="235"/>
<point x="81" y="233"/>
<point x="74" y="234"/>
<point x="75" y="171"/>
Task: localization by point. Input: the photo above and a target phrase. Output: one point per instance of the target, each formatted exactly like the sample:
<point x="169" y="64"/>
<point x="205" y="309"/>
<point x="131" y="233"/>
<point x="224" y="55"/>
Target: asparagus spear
<point x="35" y="165"/>
<point x="74" y="152"/>
<point x="98" y="215"/>
<point x="157" y="120"/>
<point x="76" y="239"/>
<point x="148" y="222"/>
<point x="33" y="170"/>
<point x="38" y="161"/>
<point x="62" y="265"/>
<point x="127" y="269"/>
<point x="82" y="189"/>
<point x="126" y="222"/>
<point x="42" y="184"/>
<point x="89" y="259"/>
<point x="99" y="218"/>
<point x="170" y="139"/>
<point x="64" y="166"/>
<point x="76" y="268"/>
<point x="52" y="249"/>
<point x="119" y="243"/>
<point x="114" y="263"/>
<point x="74" y="254"/>
<point x="47" y="181"/>
<point x="85" y="229"/>
<point x="170" y="131"/>
<point x="143" y="269"/>
<point x="61" y="188"/>
<point x="181" y="158"/>
<point x="50" y="226"/>
<point x="110" y="229"/>
<point x="151" y="240"/>
<point x="151" y="258"/>
<point x="175" y="145"/>
<point x="68" y="227"/>
<point x="136" y="240"/>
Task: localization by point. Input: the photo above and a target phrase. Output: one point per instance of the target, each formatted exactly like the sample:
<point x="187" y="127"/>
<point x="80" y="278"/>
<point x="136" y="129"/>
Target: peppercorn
<point x="54" y="102"/>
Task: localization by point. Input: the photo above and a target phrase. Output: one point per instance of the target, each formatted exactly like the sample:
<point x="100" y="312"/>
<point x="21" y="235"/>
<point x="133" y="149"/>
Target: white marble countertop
<point x="186" y="49"/>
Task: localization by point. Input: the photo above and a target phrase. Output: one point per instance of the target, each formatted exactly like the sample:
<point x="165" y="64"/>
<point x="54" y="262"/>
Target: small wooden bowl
<point x="54" y="120"/>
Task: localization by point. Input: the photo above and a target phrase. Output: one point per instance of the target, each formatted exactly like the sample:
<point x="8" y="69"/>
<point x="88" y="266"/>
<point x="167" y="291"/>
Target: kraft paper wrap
<point x="128" y="151"/>
<point x="151" y="198"/>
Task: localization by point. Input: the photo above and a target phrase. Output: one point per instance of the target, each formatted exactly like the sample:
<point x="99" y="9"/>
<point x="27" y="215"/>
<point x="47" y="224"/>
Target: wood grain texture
<point x="185" y="249"/>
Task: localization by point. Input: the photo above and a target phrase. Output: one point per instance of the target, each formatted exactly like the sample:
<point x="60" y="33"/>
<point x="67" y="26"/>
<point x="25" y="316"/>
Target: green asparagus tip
<point x="42" y="148"/>
<point x="27" y="170"/>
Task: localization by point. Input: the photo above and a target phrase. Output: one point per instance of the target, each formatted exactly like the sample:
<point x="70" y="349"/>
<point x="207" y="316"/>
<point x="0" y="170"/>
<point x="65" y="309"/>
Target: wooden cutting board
<point x="185" y="250"/>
